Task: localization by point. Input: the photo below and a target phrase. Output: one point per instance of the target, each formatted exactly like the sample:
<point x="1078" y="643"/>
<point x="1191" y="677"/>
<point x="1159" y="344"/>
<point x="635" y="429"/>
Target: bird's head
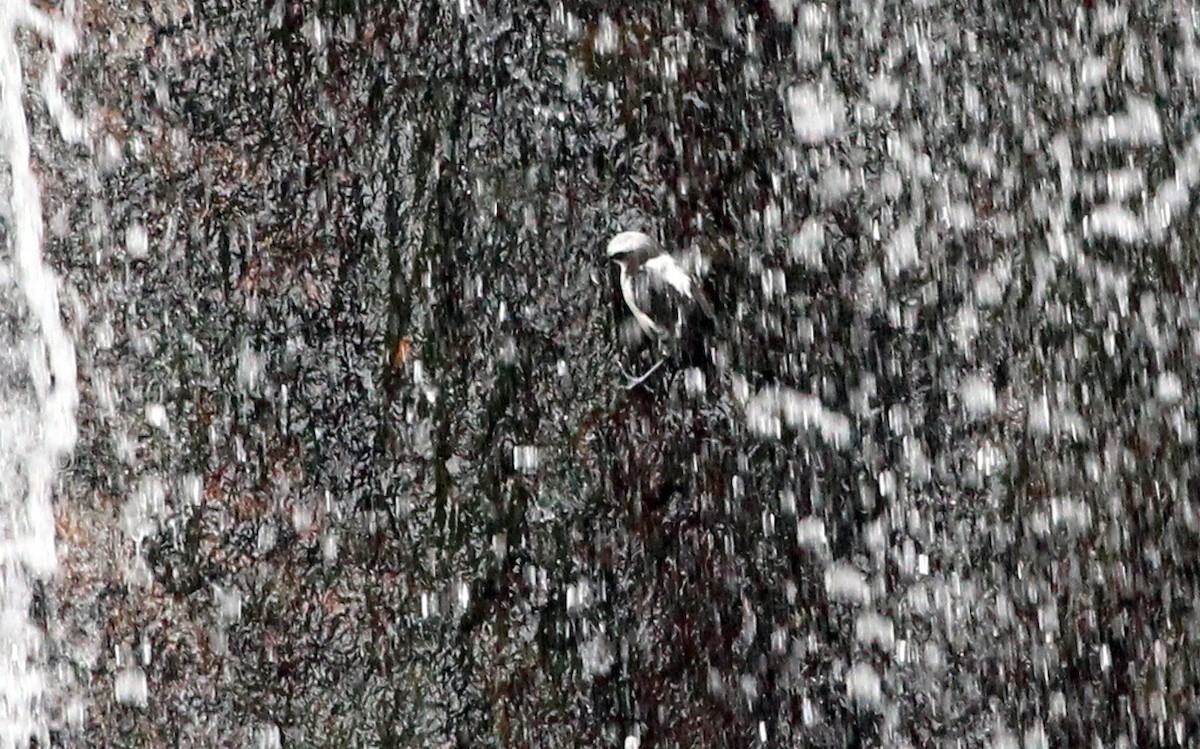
<point x="630" y="249"/>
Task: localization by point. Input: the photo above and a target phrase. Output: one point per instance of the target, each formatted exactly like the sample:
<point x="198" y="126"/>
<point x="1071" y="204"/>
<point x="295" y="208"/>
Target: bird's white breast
<point x="643" y="320"/>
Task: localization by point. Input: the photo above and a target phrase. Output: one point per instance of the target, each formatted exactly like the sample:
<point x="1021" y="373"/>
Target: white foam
<point x="37" y="425"/>
<point x="1138" y="125"/>
<point x="978" y="396"/>
<point x="864" y="685"/>
<point x="846" y="584"/>
<point x="773" y="407"/>
<point x="902" y="252"/>
<point x="818" y="112"/>
<point x="1115" y="221"/>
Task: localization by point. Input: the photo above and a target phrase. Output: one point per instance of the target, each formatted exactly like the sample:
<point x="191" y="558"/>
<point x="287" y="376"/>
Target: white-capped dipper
<point x="658" y="291"/>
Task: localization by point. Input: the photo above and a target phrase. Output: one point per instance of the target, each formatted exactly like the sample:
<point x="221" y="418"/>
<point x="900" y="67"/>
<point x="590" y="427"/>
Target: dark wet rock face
<point x="356" y="467"/>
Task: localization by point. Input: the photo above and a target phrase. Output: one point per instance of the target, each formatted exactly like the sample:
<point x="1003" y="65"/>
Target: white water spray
<point x="38" y="392"/>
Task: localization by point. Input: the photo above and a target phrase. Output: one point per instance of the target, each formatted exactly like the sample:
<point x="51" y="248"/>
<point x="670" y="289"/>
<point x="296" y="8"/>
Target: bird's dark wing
<point x="660" y="301"/>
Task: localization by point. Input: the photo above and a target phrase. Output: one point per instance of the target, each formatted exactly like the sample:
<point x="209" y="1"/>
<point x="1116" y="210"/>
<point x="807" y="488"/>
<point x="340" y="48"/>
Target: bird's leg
<point x="621" y="367"/>
<point x="635" y="381"/>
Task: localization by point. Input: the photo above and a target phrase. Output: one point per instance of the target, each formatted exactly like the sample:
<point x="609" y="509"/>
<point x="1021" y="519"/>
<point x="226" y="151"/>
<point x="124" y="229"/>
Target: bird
<point x="663" y="297"/>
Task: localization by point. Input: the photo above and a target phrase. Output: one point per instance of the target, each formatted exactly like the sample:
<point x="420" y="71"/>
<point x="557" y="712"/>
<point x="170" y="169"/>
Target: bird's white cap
<point x="629" y="241"/>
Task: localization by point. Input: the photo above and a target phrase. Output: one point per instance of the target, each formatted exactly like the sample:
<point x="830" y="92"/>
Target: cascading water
<point x="38" y="394"/>
<point x="355" y="465"/>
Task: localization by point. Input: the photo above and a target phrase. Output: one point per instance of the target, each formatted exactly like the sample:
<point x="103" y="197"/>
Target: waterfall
<point x="38" y="393"/>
